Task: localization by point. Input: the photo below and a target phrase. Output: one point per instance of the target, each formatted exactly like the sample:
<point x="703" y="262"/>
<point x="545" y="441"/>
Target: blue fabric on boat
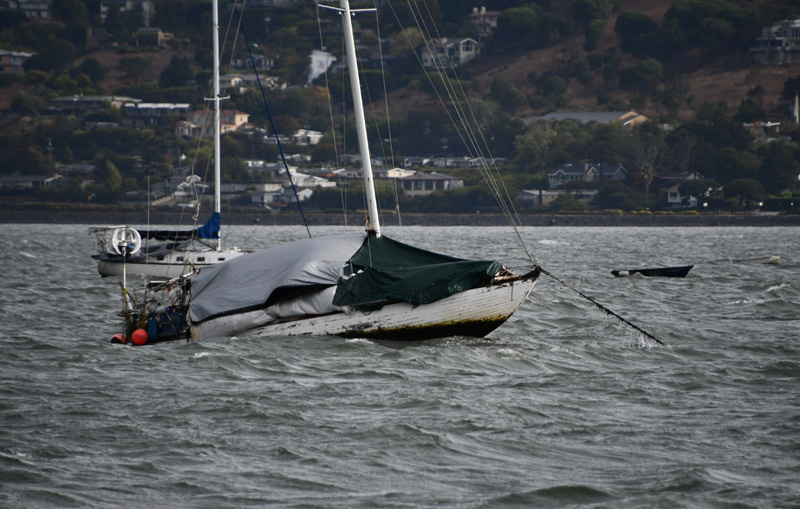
<point x="210" y="230"/>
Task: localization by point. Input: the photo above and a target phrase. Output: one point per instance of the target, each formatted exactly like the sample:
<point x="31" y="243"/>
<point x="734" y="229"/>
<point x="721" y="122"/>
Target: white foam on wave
<point x="200" y="355"/>
<point x="512" y="354"/>
<point x="776" y="287"/>
<point x="358" y="340"/>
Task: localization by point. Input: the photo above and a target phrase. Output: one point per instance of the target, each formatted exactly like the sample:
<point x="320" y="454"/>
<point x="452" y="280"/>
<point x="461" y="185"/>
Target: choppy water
<point x="560" y="407"/>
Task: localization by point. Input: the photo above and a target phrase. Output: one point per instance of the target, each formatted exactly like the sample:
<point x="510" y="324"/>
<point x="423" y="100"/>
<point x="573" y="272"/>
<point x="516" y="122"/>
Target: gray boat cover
<point x="247" y="282"/>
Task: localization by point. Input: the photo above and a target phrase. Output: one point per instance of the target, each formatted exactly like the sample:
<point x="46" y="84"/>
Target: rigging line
<point x="375" y="120"/>
<point x="383" y="74"/>
<point x="388" y="119"/>
<point x="493" y="165"/>
<point x="604" y="308"/>
<point x="472" y="141"/>
<point x="275" y="130"/>
<point x="503" y="199"/>
<point x="438" y="63"/>
<point x="342" y="193"/>
<point x="445" y="64"/>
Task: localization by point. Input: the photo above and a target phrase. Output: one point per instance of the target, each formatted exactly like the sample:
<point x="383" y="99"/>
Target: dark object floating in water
<point x="658" y="272"/>
<point x="772" y="260"/>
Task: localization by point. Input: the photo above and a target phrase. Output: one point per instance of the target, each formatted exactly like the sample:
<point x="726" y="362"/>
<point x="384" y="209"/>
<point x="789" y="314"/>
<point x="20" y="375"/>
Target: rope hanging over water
<point x="604" y="308"/>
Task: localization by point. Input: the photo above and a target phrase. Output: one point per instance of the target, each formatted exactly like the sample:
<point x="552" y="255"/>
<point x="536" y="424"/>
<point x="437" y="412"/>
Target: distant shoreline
<point x="103" y="216"/>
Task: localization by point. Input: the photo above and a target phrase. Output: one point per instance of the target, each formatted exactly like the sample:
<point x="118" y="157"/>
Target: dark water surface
<point x="560" y="407"/>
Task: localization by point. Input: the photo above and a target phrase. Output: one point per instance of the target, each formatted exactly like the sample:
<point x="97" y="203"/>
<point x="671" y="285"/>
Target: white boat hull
<point x="473" y="313"/>
<point x="769" y="260"/>
<point x="170" y="266"/>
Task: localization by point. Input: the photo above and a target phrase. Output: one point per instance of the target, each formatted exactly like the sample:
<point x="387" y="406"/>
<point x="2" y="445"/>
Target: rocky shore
<point x="106" y="216"/>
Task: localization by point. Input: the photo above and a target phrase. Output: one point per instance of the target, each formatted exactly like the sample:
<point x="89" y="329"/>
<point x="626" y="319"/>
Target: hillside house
<point x="245" y="63"/>
<point x="778" y="44"/>
<point x="542" y="198"/>
<point x="142" y="7"/>
<point x="306" y="137"/>
<point x="590" y="172"/>
<point x="242" y="82"/>
<point x="43" y="9"/>
<point x="199" y="123"/>
<point x="151" y="114"/>
<point x="30" y="181"/>
<point x="13" y="61"/>
<point x="423" y="184"/>
<point x="677" y="201"/>
<point x="79" y="105"/>
<point x="625" y="118"/>
<point x="152" y="36"/>
<point x="484" y="22"/>
<point x="446" y="52"/>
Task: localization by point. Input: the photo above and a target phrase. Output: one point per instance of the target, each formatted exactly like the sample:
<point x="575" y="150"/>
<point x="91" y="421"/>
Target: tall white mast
<point x="361" y="128"/>
<point x="216" y="99"/>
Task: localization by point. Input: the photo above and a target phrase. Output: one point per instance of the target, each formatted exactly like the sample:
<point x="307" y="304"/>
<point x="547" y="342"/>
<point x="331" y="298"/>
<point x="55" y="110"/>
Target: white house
<point x="426" y="183"/>
<point x="446" y="52"/>
<point x="484" y="22"/>
<point x="244" y="81"/>
<point x="198" y="123"/>
<point x="778" y="44"/>
<point x="306" y="137"/>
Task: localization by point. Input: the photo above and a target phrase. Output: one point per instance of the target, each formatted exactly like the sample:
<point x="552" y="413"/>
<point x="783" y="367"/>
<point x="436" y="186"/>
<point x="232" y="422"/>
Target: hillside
<point x="726" y="78"/>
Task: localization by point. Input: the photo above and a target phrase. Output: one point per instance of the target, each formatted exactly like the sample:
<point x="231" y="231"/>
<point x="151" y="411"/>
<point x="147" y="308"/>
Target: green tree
<point x="594" y="32"/>
<point x="57" y="54"/>
<point x="615" y="195"/>
<point x="697" y="187"/>
<point x="746" y="190"/>
<point x="630" y="26"/>
<point x="642" y="77"/>
<point x="780" y="169"/>
<point x="586" y="11"/>
<point x="92" y="68"/>
<point x="112" y="180"/>
<point x="176" y="74"/>
<point x="647" y="150"/>
<point x="507" y="96"/>
<point x="25" y="103"/>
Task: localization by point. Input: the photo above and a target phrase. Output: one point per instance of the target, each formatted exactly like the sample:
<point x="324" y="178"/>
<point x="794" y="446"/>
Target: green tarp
<point x="390" y="271"/>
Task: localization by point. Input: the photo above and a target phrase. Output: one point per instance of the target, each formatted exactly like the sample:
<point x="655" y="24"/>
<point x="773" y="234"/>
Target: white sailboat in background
<point x="359" y="285"/>
<point x="166" y="254"/>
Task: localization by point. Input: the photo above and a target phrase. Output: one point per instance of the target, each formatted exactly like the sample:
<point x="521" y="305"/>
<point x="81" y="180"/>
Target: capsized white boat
<point x="770" y="260"/>
<point x="166" y="254"/>
<point x="359" y="285"/>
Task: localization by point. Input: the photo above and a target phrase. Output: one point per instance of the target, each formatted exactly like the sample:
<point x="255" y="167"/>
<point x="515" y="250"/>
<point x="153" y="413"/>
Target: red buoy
<point x="139" y="337"/>
<point x="118" y="338"/>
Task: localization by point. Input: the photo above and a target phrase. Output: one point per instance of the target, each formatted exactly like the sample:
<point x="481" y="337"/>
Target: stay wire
<point x="274" y="129"/>
<point x="490" y="179"/>
<point x="342" y="190"/>
<point x="604" y="308"/>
